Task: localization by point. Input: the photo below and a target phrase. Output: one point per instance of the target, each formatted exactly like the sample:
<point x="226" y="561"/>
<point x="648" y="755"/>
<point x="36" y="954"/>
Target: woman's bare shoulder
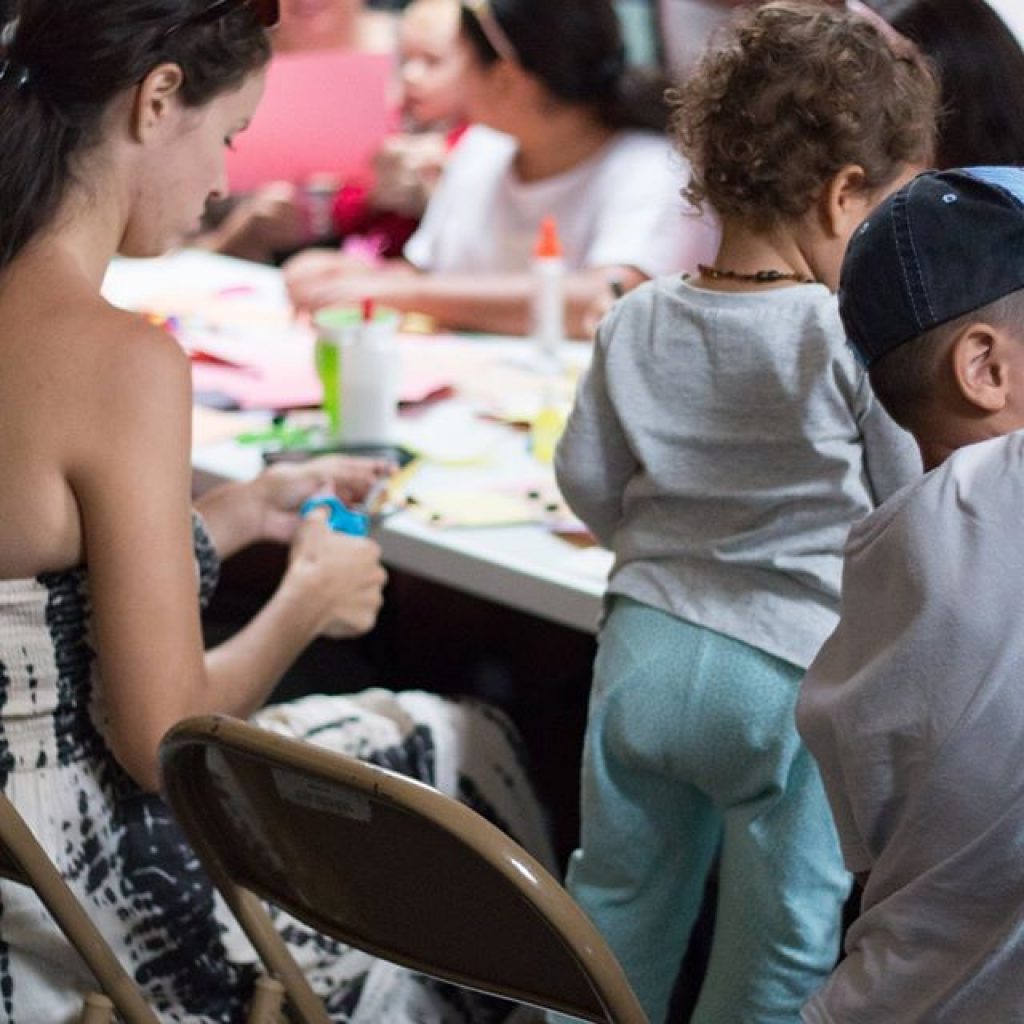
<point x="132" y="345"/>
<point x="112" y="373"/>
<point x="119" y="353"/>
<point x="72" y="349"/>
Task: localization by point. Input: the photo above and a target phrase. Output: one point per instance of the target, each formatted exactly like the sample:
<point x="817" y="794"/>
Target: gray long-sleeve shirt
<point x="722" y="444"/>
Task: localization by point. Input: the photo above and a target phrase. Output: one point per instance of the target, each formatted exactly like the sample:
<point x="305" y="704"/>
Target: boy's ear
<point x="155" y="99"/>
<point x="980" y="358"/>
<point x="844" y="201"/>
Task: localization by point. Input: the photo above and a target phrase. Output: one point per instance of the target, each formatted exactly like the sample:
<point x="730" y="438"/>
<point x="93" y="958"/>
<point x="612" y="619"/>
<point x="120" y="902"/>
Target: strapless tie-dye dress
<point x="121" y="852"/>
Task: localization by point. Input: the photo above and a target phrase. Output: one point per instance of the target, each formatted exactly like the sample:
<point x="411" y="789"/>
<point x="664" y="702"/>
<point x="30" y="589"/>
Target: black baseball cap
<point x="946" y="243"/>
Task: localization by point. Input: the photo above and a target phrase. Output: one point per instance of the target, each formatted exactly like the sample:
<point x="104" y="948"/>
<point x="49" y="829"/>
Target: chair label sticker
<point x="321" y="796"/>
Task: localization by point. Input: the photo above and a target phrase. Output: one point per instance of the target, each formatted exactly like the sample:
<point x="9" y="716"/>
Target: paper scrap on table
<point x="471" y="508"/>
<point x="503" y="506"/>
<point x="229" y="310"/>
<point x="276" y="388"/>
<point x="212" y="425"/>
<point x="291" y="385"/>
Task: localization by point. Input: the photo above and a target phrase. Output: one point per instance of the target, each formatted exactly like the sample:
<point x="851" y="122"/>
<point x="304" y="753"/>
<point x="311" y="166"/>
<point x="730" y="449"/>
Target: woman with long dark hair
<point x="115" y="116"/>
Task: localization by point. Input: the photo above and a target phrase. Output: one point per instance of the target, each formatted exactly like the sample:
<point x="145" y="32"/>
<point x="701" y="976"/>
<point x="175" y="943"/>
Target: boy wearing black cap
<point x="914" y="708"/>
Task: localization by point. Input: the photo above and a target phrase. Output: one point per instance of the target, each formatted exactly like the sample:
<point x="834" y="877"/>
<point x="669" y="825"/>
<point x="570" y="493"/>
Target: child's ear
<point x="155" y="97"/>
<point x="844" y="201"/>
<point x="980" y="358"/>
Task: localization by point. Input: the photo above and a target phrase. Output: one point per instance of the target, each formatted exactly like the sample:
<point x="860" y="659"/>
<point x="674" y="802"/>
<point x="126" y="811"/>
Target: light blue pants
<point x="691" y="742"/>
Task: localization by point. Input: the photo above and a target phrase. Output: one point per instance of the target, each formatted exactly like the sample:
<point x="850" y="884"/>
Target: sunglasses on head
<point x="266" y="12"/>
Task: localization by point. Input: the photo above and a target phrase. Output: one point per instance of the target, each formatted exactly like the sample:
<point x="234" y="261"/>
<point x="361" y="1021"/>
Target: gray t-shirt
<point x="914" y="711"/>
<point x="721" y="445"/>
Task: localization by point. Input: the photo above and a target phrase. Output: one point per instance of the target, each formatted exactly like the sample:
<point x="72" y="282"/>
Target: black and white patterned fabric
<point x="121" y="852"/>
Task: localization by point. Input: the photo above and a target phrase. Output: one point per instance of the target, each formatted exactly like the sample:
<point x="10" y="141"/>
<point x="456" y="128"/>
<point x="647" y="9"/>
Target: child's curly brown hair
<point x="790" y="93"/>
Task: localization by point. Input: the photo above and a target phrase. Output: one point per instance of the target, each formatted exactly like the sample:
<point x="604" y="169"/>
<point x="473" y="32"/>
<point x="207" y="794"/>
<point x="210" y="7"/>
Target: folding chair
<point x="24" y="861"/>
<point x="385" y="864"/>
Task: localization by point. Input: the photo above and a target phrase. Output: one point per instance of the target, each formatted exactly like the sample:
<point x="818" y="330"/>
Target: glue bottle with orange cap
<point x="549" y="335"/>
<point x="549" y="293"/>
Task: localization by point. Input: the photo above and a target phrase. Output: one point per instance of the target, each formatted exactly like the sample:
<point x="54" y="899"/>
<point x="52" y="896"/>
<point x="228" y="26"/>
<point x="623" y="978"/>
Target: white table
<point x="525" y="567"/>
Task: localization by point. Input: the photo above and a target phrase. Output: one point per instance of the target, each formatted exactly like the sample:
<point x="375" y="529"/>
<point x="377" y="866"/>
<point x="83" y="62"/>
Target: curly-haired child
<point x="722" y="443"/>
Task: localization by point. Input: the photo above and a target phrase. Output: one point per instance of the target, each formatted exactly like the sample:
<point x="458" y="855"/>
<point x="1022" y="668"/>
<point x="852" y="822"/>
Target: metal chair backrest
<point x="386" y="864"/>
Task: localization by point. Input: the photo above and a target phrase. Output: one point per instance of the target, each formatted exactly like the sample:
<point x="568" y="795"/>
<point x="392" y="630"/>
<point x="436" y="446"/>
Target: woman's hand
<point x="281" y="489"/>
<point x="338" y="577"/>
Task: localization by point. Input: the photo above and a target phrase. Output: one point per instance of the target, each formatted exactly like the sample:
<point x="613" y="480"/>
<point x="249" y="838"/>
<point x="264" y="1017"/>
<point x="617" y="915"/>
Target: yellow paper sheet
<point x="476" y="508"/>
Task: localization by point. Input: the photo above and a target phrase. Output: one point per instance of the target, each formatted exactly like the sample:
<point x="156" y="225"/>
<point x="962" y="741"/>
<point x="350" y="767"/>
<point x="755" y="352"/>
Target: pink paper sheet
<point x="321" y="112"/>
<point x="284" y="386"/>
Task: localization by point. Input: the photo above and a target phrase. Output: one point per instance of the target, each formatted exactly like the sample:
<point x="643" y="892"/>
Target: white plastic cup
<point x="362" y="376"/>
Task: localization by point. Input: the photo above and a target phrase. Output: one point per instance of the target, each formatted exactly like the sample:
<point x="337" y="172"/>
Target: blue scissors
<point x="340" y="518"/>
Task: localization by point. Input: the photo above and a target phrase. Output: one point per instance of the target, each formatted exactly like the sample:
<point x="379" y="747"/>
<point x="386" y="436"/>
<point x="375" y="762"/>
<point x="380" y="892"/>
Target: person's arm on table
<point x="258" y="225"/>
<point x="493" y="303"/>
